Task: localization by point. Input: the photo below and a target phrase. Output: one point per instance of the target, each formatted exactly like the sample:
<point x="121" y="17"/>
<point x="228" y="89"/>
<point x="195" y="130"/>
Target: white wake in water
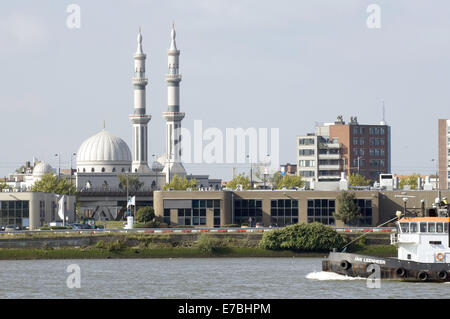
<point x="326" y="275"/>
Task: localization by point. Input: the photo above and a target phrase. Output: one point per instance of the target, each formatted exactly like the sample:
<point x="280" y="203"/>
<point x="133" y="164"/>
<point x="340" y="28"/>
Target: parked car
<point x="259" y="225"/>
<point x="10" y="228"/>
<point x="99" y="227"/>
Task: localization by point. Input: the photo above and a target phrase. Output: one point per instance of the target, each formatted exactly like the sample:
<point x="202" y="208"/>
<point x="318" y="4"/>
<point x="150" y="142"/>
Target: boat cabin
<point x="423" y="239"/>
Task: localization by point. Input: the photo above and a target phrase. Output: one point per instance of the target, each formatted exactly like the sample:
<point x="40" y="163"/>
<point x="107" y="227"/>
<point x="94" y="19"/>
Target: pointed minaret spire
<point x="139" y="42"/>
<point x="173" y="44"/>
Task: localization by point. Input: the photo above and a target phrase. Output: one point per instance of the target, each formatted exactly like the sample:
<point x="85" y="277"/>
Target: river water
<point x="186" y="278"/>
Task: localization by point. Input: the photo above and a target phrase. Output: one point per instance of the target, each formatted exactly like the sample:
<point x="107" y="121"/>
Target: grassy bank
<point x="173" y="245"/>
<point x="98" y="253"/>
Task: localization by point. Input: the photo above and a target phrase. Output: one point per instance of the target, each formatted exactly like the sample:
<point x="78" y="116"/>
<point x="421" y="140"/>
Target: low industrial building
<point x="33" y="209"/>
<point x="281" y="207"/>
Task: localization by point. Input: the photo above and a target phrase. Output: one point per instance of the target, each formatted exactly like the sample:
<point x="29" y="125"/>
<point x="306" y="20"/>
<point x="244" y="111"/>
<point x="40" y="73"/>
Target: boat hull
<point x="355" y="265"/>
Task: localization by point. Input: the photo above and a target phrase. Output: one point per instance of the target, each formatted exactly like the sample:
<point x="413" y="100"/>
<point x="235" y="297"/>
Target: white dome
<point x="41" y="169"/>
<point x="103" y="152"/>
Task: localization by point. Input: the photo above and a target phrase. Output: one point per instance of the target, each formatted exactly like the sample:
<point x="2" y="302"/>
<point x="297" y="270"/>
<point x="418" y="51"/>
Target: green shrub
<point x="110" y="245"/>
<point x="230" y="225"/>
<point x="303" y="237"/>
<point x="145" y="215"/>
<point x="152" y="224"/>
<point x="209" y="244"/>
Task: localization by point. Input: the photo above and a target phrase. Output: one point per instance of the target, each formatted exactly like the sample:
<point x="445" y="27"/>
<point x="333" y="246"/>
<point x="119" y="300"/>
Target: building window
<point x="92" y="170"/>
<point x="103" y="169"/>
<point x="306" y="152"/>
<point x="355" y="141"/>
<point x="321" y="211"/>
<point x="306" y="173"/>
<point x="14" y="212"/>
<point x="361" y="141"/>
<point x="365" y="206"/>
<point x="247" y="211"/>
<point x="283" y="212"/>
<point x="114" y="169"/>
<point x="306" y="141"/>
<point x="166" y="218"/>
<point x="216" y="217"/>
<point x="306" y="163"/>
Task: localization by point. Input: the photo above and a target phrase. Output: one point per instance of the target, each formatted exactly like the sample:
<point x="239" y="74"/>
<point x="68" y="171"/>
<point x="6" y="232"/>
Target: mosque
<point x="103" y="156"/>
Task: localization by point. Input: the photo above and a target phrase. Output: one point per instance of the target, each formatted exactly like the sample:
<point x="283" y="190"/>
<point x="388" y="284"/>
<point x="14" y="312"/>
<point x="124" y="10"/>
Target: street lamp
<point x="436" y="176"/>
<point x="71" y="157"/>
<point x="405" y="200"/>
<point x="265" y="168"/>
<point x="59" y="164"/>
<point x="251" y="172"/>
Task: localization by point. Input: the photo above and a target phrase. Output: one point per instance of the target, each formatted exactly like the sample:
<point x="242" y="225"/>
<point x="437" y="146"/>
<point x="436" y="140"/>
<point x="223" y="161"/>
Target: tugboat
<point x="423" y="250"/>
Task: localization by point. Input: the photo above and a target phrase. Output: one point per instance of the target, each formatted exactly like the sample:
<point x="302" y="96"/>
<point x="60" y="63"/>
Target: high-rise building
<point x="339" y="147"/>
<point x="444" y="153"/>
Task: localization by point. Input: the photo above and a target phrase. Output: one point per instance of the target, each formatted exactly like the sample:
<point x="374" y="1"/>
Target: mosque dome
<point x="103" y="153"/>
<point x="41" y="169"/>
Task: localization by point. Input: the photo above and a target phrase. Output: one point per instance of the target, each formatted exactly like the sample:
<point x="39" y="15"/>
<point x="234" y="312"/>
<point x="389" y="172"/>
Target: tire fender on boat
<point x="440" y="256"/>
<point x="422" y="275"/>
<point x="443" y="275"/>
<point x="345" y="264"/>
<point x="400" y="272"/>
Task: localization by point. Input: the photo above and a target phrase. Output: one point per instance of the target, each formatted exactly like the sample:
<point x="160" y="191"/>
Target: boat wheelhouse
<point x="422" y="239"/>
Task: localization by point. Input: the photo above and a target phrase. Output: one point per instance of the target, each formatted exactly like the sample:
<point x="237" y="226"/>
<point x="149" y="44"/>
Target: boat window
<point x="413" y="228"/>
<point x="440" y="227"/>
<point x="431" y="227"/>
<point x="446" y="228"/>
<point x="423" y="227"/>
<point x="404" y="227"/>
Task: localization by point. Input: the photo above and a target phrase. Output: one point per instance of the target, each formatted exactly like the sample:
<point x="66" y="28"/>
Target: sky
<point x="287" y="64"/>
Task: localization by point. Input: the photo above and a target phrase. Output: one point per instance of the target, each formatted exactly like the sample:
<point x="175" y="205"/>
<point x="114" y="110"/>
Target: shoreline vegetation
<point x="301" y="240"/>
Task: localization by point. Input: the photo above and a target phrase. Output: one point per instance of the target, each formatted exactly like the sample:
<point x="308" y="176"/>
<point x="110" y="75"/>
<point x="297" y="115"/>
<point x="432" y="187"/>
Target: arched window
<point x="84" y="170"/>
<point x="114" y="169"/>
<point x="123" y="169"/>
<point x="135" y="170"/>
<point x="103" y="169"/>
<point x="92" y="170"/>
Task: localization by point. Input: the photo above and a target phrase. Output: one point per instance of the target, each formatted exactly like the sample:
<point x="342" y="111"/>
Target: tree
<point x="358" y="180"/>
<point x="180" y="184"/>
<point x="134" y="184"/>
<point x="290" y="181"/>
<point x="145" y="215"/>
<point x="241" y="179"/>
<point x="347" y="209"/>
<point x="409" y="180"/>
<point x="3" y="186"/>
<point x="50" y="183"/>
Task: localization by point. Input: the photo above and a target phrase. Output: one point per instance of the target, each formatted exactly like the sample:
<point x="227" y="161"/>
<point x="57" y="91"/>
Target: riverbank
<point x="164" y="246"/>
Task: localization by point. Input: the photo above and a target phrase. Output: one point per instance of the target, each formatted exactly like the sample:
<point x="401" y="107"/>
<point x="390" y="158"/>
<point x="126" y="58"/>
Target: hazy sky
<point x="247" y="63"/>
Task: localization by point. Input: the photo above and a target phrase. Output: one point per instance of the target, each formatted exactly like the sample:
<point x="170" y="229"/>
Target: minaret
<point x="139" y="119"/>
<point x="173" y="116"/>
